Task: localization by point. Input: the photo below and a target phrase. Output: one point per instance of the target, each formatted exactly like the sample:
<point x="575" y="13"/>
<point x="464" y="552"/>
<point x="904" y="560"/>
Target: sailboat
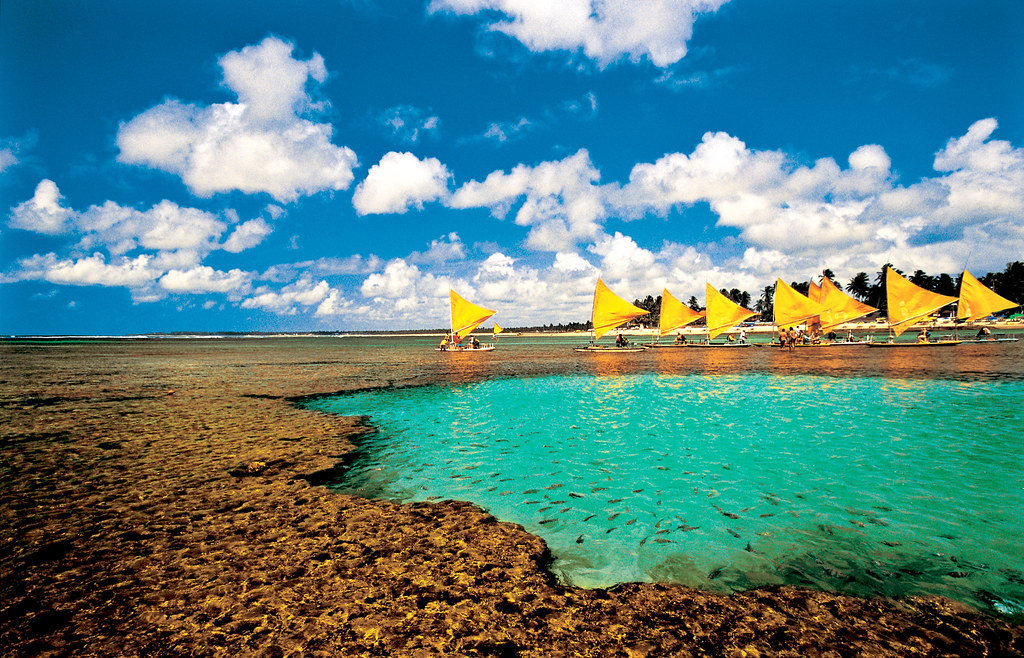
<point x="978" y="301"/>
<point x="722" y="315"/>
<point x="792" y="308"/>
<point x="465" y="317"/>
<point x="674" y="315"/>
<point x="909" y="303"/>
<point x="609" y="312"/>
<point x="840" y="308"/>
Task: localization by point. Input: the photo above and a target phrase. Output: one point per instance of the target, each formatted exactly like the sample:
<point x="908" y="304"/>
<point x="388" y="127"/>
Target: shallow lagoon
<point x="866" y="472"/>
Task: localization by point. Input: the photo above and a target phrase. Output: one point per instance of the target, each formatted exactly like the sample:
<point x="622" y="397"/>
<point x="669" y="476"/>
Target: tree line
<point x="1009" y="283"/>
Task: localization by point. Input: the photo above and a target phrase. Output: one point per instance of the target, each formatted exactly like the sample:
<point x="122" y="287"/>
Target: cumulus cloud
<point x="447" y="248"/>
<point x="572" y="262"/>
<point x="263" y="143"/>
<point x="401" y="181"/>
<point x="302" y="293"/>
<point x="561" y="202"/>
<point x="203" y="279"/>
<point x="247" y="235"/>
<point x="91" y="270"/>
<point x="43" y="213"/>
<point x="602" y="30"/>
<point x="164" y="227"/>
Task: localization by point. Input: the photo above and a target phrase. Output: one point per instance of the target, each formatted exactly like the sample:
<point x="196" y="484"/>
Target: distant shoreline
<point x="759" y="328"/>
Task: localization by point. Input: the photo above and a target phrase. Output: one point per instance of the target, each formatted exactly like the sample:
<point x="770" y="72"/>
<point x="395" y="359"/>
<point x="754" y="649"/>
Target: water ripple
<point x="865" y="486"/>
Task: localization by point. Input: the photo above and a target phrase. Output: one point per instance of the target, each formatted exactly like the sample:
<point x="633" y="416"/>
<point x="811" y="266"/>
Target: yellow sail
<point x="466" y="316"/>
<point x="723" y="313"/>
<point x="497" y="329"/>
<point x="977" y="301"/>
<point x="840" y="306"/>
<point x="675" y="314"/>
<point x="610" y="310"/>
<point x="793" y="308"/>
<point x="814" y="291"/>
<point x="908" y="303"/>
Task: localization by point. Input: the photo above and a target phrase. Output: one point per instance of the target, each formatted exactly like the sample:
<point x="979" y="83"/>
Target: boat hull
<point x="936" y="343"/>
<point x="989" y="340"/>
<point x="603" y="349"/>
<point x="482" y="348"/>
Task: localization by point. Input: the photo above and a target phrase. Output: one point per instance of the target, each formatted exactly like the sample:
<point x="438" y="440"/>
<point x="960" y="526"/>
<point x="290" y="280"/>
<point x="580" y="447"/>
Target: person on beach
<point x="444" y="343"/>
<point x="743" y="335"/>
<point x="476" y="343"/>
<point x="922" y="337"/>
<point x="983" y="333"/>
<point x="791" y="339"/>
<point x="621" y="341"/>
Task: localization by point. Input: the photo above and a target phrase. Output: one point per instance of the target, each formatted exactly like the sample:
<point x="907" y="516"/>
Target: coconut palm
<point x="859" y="286"/>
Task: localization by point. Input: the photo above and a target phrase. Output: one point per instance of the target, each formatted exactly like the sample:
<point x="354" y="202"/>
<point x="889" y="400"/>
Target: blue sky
<point x="265" y="166"/>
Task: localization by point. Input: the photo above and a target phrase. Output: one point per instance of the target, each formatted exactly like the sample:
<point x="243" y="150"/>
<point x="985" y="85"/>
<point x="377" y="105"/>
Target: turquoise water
<point x="869" y="485"/>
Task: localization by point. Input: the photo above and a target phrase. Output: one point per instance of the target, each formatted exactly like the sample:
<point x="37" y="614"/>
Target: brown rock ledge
<point x="136" y="522"/>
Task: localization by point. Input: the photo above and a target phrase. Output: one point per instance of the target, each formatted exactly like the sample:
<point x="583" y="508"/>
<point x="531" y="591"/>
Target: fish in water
<point x="612" y="517"/>
<point x="579" y="540"/>
<point x="715" y="573"/>
<point x="575" y="495"/>
<point x="631" y="522"/>
<point x="590" y="517"/>
<point x="733" y="533"/>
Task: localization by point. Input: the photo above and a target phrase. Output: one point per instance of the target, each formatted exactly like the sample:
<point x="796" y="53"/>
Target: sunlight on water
<point x="864" y="486"/>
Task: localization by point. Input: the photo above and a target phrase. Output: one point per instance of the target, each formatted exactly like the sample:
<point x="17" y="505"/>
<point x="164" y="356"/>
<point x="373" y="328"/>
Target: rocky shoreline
<point x="163" y="499"/>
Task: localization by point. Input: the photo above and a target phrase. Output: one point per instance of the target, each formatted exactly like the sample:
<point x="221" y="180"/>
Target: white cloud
<point x="247" y="235"/>
<point x="562" y="204"/>
<point x="302" y="293"/>
<point x="409" y="124"/>
<point x="7" y="159"/>
<point x="401" y="181"/>
<point x="602" y="30"/>
<point x="400" y="281"/>
<point x="164" y="227"/>
<point x="447" y="248"/>
<point x="502" y="132"/>
<point x="572" y="262"/>
<point x="203" y="279"/>
<point x="260" y="144"/>
<point x="43" y="213"/>
<point x="12" y="148"/>
<point x="91" y="270"/>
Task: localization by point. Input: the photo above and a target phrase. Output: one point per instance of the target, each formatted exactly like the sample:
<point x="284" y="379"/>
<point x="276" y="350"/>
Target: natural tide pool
<point x="859" y="485"/>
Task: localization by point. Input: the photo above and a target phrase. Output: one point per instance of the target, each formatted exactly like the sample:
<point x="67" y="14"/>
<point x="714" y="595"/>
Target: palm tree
<point x="919" y="278"/>
<point x="859" y="286"/>
<point x="828" y="274"/>
<point x="766" y="304"/>
<point x="694" y="304"/>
